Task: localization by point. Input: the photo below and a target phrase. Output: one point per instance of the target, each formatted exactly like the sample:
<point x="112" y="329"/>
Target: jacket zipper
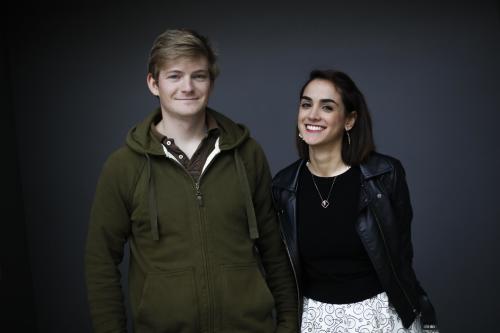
<point x="391" y="263"/>
<point x="291" y="264"/>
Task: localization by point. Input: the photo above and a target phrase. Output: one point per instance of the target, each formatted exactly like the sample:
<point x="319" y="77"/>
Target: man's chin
<point x="188" y="112"/>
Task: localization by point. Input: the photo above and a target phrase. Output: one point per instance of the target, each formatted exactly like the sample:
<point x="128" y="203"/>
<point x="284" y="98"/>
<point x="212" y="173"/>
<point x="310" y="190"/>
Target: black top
<point x="335" y="266"/>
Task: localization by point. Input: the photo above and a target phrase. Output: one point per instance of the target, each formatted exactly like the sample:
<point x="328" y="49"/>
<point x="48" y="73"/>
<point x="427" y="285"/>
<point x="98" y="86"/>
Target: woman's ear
<point x="350" y="120"/>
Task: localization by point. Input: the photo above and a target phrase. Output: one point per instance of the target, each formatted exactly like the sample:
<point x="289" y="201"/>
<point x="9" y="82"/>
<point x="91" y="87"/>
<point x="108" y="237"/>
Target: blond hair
<point x="176" y="43"/>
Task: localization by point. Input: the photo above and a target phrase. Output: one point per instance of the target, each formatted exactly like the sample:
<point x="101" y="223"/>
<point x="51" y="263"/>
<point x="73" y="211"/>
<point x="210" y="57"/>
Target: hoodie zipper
<point x="391" y="263"/>
<point x="204" y="251"/>
<point x="203" y="233"/>
<point x="199" y="196"/>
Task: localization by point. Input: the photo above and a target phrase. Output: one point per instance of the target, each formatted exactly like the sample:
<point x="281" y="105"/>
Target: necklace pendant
<point x="325" y="203"/>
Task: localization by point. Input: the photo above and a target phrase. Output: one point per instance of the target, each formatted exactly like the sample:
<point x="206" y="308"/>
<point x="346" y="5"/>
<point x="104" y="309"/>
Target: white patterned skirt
<point x="373" y="315"/>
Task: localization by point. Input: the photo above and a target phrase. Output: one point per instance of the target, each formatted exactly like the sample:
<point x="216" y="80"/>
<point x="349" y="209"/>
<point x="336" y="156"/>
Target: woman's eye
<point x="305" y="105"/>
<point x="327" y="108"/>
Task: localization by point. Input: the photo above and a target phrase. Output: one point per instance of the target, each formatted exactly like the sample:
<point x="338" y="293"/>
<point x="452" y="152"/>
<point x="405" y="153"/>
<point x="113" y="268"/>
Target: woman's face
<point x="322" y="117"/>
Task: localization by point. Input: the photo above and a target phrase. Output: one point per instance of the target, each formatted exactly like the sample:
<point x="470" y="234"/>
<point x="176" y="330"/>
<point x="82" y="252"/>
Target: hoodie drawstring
<point x="242" y="175"/>
<point x="153" y="212"/>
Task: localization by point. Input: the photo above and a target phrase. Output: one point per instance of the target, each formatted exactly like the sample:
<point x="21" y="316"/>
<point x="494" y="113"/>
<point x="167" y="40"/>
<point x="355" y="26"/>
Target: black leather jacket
<point x="383" y="226"/>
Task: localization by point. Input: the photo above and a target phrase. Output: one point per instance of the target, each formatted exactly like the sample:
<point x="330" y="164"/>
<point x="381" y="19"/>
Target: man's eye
<point x="200" y="77"/>
<point x="173" y="76"/>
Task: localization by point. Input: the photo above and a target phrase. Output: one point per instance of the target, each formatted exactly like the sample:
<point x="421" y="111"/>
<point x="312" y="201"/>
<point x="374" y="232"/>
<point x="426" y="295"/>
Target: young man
<point x="190" y="192"/>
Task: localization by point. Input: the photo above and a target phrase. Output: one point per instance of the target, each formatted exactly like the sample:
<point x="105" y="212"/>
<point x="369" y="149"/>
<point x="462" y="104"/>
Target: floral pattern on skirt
<point x="373" y="315"/>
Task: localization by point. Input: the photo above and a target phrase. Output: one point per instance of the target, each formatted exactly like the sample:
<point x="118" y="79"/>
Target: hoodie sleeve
<point x="279" y="274"/>
<point x="107" y="233"/>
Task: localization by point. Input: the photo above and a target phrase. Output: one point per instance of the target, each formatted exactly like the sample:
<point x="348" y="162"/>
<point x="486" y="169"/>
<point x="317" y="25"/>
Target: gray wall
<point x="16" y="291"/>
<point x="429" y="72"/>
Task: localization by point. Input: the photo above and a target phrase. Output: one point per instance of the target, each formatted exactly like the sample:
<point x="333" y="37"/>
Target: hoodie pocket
<point x="247" y="303"/>
<point x="169" y="303"/>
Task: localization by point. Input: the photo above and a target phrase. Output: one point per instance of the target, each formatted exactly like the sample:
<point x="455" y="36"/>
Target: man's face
<point x="183" y="86"/>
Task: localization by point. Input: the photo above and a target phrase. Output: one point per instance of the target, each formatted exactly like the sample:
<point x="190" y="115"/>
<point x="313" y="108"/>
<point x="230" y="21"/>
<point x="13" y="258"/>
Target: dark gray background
<point x="73" y="83"/>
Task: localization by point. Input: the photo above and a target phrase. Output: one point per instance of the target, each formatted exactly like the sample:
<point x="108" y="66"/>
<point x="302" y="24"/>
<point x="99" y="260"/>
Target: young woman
<point x="345" y="214"/>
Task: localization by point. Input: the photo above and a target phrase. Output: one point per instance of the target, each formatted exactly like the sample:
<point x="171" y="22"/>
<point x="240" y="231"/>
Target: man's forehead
<point x="186" y="64"/>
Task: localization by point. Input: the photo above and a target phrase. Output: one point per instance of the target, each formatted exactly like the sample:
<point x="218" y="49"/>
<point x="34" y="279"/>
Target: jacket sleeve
<point x="274" y="259"/>
<point x="108" y="231"/>
<point x="400" y="198"/>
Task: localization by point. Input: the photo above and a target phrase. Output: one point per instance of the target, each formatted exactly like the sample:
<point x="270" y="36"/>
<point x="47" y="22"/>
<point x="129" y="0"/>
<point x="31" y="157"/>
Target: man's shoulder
<point x="250" y="149"/>
<point x="123" y="161"/>
<point x="123" y="154"/>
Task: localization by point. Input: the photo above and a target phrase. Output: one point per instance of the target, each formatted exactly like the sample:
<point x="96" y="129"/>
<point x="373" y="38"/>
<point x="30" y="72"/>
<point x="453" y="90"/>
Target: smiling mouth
<point x="314" y="128"/>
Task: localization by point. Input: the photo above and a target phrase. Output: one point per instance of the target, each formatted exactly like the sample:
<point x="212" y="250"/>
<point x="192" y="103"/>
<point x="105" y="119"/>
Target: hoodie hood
<point x="140" y="139"/>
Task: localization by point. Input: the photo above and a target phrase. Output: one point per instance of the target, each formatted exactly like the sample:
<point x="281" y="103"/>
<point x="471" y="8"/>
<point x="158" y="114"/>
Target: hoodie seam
<point x="133" y="188"/>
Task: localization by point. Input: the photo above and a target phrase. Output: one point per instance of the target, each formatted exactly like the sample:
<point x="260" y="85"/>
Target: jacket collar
<point x="374" y="166"/>
<point x="288" y="178"/>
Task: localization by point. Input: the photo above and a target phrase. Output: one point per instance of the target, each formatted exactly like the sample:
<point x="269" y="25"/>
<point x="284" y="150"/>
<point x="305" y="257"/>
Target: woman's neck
<point x="326" y="162"/>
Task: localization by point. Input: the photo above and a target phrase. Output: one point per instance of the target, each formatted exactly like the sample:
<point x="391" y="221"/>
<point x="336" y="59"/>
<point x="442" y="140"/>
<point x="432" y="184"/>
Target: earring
<point x="348" y="137"/>
<point x="300" y="136"/>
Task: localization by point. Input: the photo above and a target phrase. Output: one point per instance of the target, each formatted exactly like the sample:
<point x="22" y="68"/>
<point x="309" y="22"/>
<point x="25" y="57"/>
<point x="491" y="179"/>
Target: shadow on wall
<point x="16" y="287"/>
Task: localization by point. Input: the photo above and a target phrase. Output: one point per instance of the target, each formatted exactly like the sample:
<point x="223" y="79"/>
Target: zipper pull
<point x="199" y="196"/>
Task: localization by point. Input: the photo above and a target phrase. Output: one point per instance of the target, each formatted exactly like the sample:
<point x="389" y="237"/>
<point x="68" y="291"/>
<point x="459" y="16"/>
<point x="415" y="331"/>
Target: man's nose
<point x="187" y="85"/>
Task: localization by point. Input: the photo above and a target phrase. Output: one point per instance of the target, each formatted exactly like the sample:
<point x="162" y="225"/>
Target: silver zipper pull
<point x="199" y="196"/>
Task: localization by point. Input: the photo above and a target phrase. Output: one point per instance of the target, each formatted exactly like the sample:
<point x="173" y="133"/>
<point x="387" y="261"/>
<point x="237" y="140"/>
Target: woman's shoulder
<point x="377" y="163"/>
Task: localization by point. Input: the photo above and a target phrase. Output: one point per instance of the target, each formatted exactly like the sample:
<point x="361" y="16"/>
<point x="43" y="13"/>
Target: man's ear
<point x="152" y="84"/>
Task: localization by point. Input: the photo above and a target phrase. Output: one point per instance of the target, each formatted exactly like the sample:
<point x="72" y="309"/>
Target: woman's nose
<point x="313" y="113"/>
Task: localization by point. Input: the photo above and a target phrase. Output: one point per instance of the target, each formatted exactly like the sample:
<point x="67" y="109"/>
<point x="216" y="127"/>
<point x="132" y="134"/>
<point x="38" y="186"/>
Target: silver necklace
<point x="324" y="202"/>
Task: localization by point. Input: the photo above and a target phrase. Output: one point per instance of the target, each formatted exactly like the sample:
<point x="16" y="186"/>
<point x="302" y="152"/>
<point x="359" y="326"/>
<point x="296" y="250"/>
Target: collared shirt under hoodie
<point x="195" y="164"/>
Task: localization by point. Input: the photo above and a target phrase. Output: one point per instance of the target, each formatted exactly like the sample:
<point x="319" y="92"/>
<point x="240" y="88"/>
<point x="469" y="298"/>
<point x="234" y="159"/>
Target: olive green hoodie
<point x="195" y="247"/>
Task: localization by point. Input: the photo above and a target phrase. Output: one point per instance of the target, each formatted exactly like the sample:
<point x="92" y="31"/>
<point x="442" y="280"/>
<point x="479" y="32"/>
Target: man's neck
<point x="187" y="132"/>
